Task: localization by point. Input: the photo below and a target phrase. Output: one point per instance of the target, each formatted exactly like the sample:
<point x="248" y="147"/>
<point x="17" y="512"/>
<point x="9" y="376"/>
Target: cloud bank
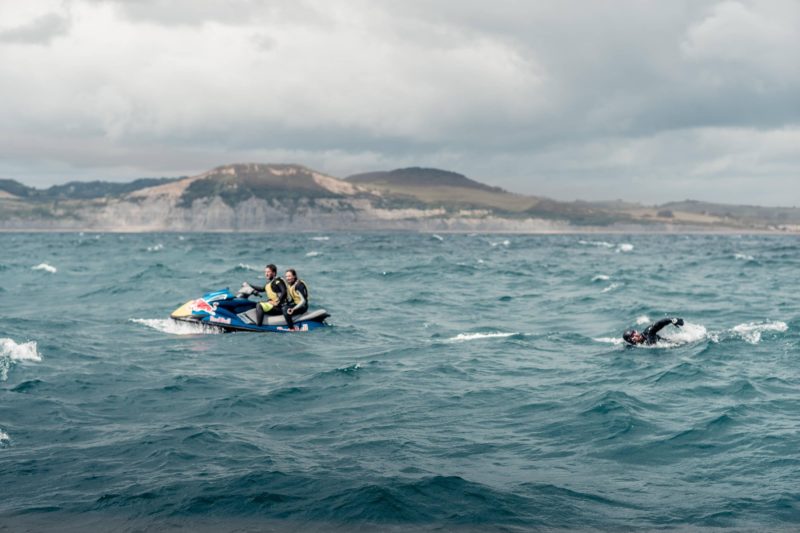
<point x="646" y="101"/>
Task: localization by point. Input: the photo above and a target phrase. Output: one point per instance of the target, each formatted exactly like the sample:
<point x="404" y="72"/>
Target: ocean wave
<point x="5" y="440"/>
<point x="625" y="247"/>
<point x="437" y="237"/>
<point x="158" y="271"/>
<point x="751" y="332"/>
<point x="176" y="327"/>
<point x="612" y="287"/>
<point x="244" y="267"/>
<point x="351" y="370"/>
<point x="686" y="334"/>
<point x="601" y="244"/>
<point x="27" y="385"/>
<point x="45" y="267"/>
<point x="501" y="243"/>
<point x="616" y="341"/>
<point x="313" y="253"/>
<point x="11" y="352"/>
<point x="155" y="248"/>
<point x="613" y="402"/>
<point x="680" y="373"/>
<point x="320" y="238"/>
<point x="478" y="336"/>
<point x="600" y="277"/>
<point x="644" y="319"/>
<point x="744" y="257"/>
<point x="27" y="351"/>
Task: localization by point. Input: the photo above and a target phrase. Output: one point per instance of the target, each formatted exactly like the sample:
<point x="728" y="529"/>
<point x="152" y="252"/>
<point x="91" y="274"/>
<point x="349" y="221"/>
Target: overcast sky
<point x="647" y="101"/>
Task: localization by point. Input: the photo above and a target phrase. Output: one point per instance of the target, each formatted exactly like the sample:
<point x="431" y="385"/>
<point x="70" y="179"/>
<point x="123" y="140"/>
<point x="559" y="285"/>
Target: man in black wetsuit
<point x="275" y="291"/>
<point x="650" y="334"/>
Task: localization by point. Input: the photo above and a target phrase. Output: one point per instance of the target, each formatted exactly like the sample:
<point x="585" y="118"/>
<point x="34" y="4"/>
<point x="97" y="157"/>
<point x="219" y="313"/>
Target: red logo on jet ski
<point x="202" y="305"/>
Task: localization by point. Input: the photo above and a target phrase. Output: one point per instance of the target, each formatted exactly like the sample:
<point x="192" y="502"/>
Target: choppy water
<point x="471" y="382"/>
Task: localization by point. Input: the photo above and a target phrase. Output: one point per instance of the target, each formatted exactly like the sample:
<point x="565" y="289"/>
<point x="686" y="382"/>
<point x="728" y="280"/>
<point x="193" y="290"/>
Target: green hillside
<point x="239" y="182"/>
<point x="16" y="188"/>
<point x="298" y="191"/>
<point x="420" y="177"/>
<point x="80" y="190"/>
<point x="776" y="215"/>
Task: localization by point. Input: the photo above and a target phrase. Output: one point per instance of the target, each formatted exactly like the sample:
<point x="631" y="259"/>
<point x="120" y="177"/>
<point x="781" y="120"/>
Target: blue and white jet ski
<point x="234" y="312"/>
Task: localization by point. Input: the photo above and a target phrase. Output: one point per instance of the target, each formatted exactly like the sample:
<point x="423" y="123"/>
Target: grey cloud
<point x="41" y="30"/>
<point x="228" y="12"/>
<point x="629" y="67"/>
<point x="568" y="99"/>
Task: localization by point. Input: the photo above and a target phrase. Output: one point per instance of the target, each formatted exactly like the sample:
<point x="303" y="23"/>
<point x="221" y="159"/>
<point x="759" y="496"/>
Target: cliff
<point x="271" y="197"/>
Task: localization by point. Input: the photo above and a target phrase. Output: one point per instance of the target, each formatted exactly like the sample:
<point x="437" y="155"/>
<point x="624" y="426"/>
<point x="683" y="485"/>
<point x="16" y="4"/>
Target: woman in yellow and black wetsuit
<point x="297" y="301"/>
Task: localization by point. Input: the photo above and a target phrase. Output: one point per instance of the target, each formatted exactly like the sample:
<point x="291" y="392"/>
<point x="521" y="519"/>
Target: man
<point x="650" y="334"/>
<point x="275" y="291"/>
<point x="297" y="300"/>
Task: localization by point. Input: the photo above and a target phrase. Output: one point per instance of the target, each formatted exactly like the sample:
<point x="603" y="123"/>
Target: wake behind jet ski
<point x="235" y="312"/>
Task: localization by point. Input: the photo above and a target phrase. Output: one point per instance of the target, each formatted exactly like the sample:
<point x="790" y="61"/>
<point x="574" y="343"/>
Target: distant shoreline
<point x="305" y="231"/>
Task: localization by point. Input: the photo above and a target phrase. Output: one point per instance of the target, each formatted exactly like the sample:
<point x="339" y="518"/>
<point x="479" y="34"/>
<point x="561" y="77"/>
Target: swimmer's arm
<point x="651" y="332"/>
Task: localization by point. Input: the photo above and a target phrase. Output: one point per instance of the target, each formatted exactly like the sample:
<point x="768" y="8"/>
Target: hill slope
<point x="418" y="176"/>
<point x="80" y="190"/>
<point x="270" y="197"/>
<point x="238" y="182"/>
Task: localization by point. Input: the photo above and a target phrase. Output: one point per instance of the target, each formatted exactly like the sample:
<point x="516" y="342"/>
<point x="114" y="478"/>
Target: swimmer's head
<point x="633" y="337"/>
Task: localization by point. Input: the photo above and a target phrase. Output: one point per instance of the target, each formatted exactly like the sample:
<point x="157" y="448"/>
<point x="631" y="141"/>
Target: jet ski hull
<point x="221" y="309"/>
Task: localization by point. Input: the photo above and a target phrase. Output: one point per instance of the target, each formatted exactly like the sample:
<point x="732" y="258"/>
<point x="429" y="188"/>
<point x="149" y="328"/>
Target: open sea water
<point x="467" y="383"/>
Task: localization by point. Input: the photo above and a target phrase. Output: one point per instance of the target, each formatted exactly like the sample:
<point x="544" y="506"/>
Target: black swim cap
<point x="627" y="336"/>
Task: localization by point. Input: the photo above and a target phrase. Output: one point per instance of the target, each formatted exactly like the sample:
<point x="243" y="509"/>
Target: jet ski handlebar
<point x="246" y="290"/>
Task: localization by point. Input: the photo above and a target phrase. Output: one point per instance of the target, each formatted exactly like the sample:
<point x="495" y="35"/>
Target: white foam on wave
<point x="320" y="238"/>
<point x="176" y="327"/>
<point x="4" y="438"/>
<point x="11" y="352"/>
<point x="476" y="336"/>
<point x="671" y="337"/>
<point x="686" y="334"/>
<point x="312" y="253"/>
<point x="751" y="332"/>
<point x="27" y="351"/>
<point x="612" y="287"/>
<point x="600" y="277"/>
<point x="625" y="247"/>
<point x="248" y="267"/>
<point x="45" y="267"/>
<point x="644" y="319"/>
<point x="744" y="257"/>
<point x="437" y="237"/>
<point x="602" y="244"/>
<point x="610" y="340"/>
<point x="155" y="248"/>
<point x="501" y="243"/>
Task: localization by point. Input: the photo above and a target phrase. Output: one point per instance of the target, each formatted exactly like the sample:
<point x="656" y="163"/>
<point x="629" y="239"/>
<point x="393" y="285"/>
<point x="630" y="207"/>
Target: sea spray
<point x="11" y="352"/>
<point x="45" y="267"/>
<point x="176" y="327"/>
<point x="751" y="332"/>
<point x="479" y="336"/>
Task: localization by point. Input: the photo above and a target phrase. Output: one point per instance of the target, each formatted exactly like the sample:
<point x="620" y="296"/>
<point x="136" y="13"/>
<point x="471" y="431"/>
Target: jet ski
<point x="235" y="312"/>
